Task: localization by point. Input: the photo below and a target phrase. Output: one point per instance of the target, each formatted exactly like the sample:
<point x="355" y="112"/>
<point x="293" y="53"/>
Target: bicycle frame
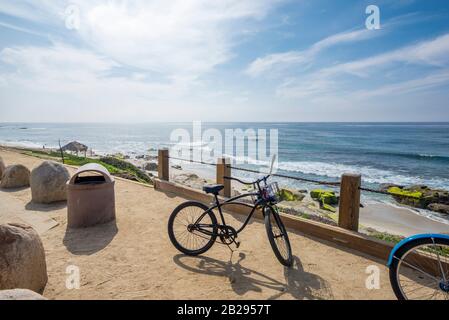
<point x="234" y="201"/>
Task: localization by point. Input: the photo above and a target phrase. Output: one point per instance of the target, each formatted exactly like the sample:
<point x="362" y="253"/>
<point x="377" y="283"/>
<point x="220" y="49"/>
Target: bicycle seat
<point x="213" y="188"/>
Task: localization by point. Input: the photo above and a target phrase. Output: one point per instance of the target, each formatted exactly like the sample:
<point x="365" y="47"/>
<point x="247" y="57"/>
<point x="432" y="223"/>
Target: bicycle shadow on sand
<point x="297" y="282"/>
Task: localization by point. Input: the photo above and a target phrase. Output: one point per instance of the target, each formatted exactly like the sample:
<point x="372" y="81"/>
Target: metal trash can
<point x="90" y="198"/>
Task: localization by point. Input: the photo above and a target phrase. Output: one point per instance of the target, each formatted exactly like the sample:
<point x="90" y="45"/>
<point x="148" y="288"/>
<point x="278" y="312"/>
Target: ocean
<point x="400" y="153"/>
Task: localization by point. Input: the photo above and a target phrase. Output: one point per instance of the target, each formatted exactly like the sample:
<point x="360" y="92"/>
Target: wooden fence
<point x="345" y="234"/>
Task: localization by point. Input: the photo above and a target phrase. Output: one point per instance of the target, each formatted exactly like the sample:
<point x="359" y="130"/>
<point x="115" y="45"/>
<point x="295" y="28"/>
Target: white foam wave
<point x="369" y="174"/>
<point x="24" y="144"/>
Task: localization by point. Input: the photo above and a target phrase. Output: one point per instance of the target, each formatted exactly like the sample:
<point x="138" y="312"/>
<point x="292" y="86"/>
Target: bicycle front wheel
<point x="278" y="237"/>
<point x="420" y="270"/>
<point x="191" y="230"/>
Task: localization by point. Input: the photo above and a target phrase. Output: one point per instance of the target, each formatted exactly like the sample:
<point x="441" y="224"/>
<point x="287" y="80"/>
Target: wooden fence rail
<point x="348" y="217"/>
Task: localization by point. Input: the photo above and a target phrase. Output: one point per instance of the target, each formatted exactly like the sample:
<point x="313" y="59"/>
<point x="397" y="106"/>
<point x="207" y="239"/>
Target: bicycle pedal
<point x="237" y="244"/>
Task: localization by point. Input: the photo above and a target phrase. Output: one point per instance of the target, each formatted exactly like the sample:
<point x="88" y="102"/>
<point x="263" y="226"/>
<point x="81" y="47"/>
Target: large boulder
<point x="48" y="182"/>
<point x="22" y="258"/>
<point x="15" y="176"/>
<point x="2" y="167"/>
<point x="20" y="294"/>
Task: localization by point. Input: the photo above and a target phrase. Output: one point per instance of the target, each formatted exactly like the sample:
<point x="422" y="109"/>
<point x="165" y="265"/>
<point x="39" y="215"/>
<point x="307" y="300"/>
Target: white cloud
<point x="295" y="88"/>
<point x="432" y="52"/>
<point x="282" y="61"/>
<point x="326" y="81"/>
<point x="175" y="38"/>
<point x="36" y="11"/>
<point x="18" y="28"/>
<point x="430" y="81"/>
<point x="147" y="56"/>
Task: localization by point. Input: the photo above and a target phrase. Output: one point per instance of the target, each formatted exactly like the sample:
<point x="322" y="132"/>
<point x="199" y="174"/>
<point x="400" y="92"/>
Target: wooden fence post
<point x="349" y="201"/>
<point x="224" y="170"/>
<point x="163" y="164"/>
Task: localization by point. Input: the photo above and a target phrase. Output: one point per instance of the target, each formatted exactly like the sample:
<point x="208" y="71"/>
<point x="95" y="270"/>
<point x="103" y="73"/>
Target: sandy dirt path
<point x="134" y="259"/>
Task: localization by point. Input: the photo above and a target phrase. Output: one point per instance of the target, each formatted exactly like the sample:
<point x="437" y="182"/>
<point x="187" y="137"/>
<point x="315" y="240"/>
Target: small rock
<point x="150" y="166"/>
<point x="291" y="195"/>
<point x="15" y="176"/>
<point x="150" y="158"/>
<point x="20" y="294"/>
<point x="439" y="207"/>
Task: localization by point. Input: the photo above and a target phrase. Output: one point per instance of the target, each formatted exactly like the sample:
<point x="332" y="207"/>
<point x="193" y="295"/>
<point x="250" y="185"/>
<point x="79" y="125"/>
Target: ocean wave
<point x="24" y="144"/>
<point x="336" y="170"/>
<point x="369" y="174"/>
<point x="416" y="156"/>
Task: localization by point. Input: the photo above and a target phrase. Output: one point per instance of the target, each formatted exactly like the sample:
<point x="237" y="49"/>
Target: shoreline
<point x="376" y="216"/>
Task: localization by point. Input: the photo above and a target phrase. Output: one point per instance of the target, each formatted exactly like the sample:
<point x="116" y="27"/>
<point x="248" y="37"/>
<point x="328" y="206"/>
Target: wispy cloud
<point x="21" y="29"/>
<point x="280" y="61"/>
<point x="177" y="38"/>
<point x="431" y="53"/>
<point x="430" y="81"/>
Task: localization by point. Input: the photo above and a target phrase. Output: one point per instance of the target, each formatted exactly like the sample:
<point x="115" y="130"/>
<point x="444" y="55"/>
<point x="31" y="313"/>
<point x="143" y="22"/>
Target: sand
<point x="134" y="259"/>
<point x="399" y="220"/>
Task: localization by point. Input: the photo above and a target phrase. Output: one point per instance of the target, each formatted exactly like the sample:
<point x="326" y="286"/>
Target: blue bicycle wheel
<point x="420" y="270"/>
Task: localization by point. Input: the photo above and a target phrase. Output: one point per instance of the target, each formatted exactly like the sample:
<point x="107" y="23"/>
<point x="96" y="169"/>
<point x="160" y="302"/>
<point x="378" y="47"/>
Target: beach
<point x="134" y="259"/>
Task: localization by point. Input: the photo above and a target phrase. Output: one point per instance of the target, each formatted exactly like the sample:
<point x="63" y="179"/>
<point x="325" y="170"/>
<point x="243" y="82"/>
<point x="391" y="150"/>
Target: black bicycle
<point x="193" y="227"/>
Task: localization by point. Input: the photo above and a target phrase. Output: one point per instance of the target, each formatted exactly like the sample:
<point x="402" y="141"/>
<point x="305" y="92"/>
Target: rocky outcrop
<point x="290" y="195"/>
<point x="48" y="182"/>
<point x="2" y="167"/>
<point x="15" y="176"/>
<point x="190" y="180"/>
<point x="22" y="258"/>
<point x="20" y="294"/>
<point x="421" y="196"/>
<point x="150" y="166"/>
<point x="324" y="196"/>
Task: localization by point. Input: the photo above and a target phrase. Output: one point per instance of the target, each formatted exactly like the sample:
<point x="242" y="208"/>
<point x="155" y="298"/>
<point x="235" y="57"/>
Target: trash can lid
<point x="92" y="167"/>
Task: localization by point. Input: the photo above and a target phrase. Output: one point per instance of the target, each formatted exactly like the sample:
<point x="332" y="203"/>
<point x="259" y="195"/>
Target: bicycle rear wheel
<point x="278" y="237"/>
<point x="420" y="270"/>
<point x="187" y="234"/>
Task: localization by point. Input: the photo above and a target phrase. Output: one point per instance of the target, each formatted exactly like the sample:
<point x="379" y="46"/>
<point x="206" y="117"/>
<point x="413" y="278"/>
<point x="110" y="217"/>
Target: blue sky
<point x="230" y="60"/>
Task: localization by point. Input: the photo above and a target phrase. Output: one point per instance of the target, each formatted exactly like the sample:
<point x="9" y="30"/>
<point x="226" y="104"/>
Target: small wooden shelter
<point x="75" y="146"/>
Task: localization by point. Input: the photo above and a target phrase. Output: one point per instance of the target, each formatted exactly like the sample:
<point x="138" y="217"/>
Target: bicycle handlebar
<point x="248" y="183"/>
